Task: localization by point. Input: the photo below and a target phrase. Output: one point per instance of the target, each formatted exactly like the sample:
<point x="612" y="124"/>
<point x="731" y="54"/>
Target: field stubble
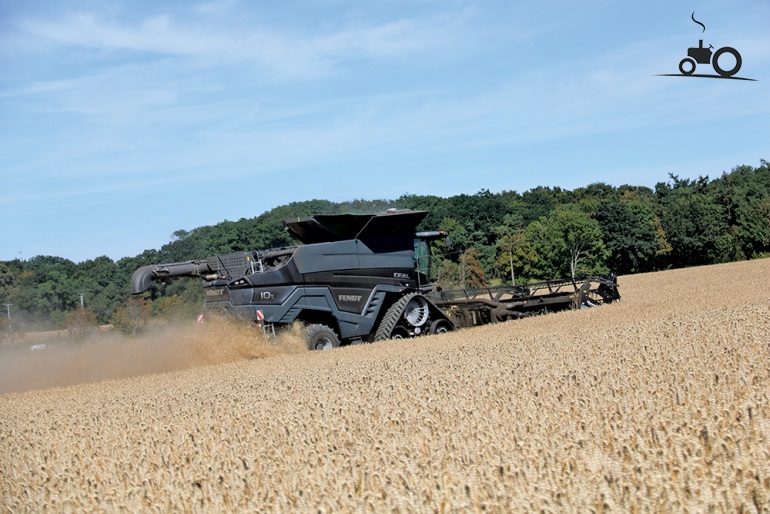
<point x="659" y="402"/>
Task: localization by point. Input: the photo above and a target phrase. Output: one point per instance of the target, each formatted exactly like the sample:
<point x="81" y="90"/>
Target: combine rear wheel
<point x="321" y="337"/>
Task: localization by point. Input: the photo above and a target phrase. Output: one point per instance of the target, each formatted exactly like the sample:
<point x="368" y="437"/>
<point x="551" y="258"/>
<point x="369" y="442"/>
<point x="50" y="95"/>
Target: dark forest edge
<point x="505" y="237"/>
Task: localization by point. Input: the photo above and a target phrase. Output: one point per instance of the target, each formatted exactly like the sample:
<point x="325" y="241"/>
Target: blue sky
<point x="122" y="122"/>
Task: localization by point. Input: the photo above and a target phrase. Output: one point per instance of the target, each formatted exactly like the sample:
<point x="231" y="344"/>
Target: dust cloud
<point x="58" y="361"/>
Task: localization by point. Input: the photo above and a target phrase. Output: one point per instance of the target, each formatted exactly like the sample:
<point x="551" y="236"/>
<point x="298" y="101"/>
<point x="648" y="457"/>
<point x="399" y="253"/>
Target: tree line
<point x="505" y="237"/>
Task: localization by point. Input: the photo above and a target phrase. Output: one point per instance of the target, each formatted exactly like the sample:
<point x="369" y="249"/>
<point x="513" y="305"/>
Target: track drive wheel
<point x="416" y="311"/>
<point x="321" y="337"/>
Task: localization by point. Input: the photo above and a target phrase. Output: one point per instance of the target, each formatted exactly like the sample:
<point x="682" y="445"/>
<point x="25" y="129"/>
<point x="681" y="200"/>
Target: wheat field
<point x="658" y="403"/>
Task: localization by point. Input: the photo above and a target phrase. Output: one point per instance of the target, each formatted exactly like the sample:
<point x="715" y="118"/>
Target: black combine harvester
<point x="362" y="278"/>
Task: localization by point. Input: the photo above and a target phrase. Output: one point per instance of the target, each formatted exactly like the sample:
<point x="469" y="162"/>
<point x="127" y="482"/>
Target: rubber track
<point x="391" y="318"/>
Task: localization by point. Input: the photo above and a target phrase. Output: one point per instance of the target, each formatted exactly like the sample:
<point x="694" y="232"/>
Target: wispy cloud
<point x="157" y="34"/>
<point x="285" y="52"/>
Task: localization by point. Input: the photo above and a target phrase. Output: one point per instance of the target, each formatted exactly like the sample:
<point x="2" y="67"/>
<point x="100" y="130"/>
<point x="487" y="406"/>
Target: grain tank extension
<point x="362" y="278"/>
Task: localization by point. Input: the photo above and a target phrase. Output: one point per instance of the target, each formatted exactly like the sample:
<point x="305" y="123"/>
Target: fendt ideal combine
<point x="362" y="278"/>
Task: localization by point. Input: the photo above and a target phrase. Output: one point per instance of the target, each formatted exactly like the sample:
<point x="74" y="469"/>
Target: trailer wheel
<point x="321" y="337"/>
<point x="441" y="326"/>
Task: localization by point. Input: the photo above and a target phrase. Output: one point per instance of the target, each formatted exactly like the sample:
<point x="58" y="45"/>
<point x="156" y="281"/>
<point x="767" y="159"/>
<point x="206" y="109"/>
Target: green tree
<point x="479" y="214"/>
<point x="514" y="252"/>
<point x="540" y="202"/>
<point x="695" y="224"/>
<point x="44" y="290"/>
<point x="184" y="246"/>
<point x="459" y="237"/>
<point x="629" y="235"/>
<point x="450" y="274"/>
<point x="6" y="279"/>
<point x="744" y="195"/>
<point x="567" y="243"/>
<point x="102" y="285"/>
<point x="594" y="197"/>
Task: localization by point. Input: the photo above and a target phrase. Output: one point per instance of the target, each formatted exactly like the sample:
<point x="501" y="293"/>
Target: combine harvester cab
<point x="357" y="278"/>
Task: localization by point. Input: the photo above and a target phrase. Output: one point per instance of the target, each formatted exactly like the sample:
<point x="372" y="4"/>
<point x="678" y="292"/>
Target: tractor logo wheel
<point x="715" y="61"/>
<point x="687" y="66"/>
